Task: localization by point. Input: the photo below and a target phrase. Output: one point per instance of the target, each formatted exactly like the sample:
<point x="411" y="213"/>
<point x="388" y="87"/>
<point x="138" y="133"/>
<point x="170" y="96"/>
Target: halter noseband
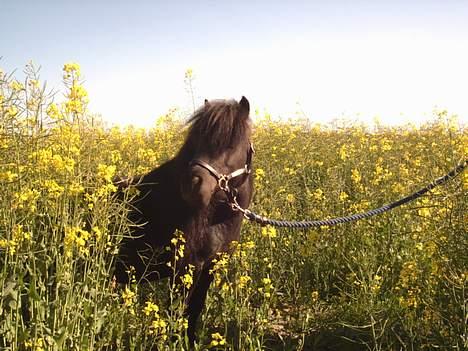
<point x="223" y="179"/>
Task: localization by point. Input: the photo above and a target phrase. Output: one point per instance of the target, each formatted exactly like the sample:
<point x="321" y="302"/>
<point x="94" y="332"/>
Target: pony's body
<point x="180" y="195"/>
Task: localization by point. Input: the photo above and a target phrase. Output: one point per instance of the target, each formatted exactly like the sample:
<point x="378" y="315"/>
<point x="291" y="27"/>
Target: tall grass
<point x="395" y="282"/>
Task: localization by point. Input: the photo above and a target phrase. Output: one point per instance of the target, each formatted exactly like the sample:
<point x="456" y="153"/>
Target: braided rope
<point x="254" y="217"/>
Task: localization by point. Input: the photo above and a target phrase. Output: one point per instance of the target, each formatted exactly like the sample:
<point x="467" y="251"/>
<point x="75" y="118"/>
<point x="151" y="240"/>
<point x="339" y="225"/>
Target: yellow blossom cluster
<point x="72" y="68"/>
<point x="128" y="297"/>
<point x="17" y="237"/>
<point x="157" y="325"/>
<point x="408" y="285"/>
<point x="217" y="340"/>
<point x="35" y="344"/>
<point x="187" y="278"/>
<point x="76" y="239"/>
<point x="267" y="287"/>
<point x="220" y="268"/>
<point x="243" y="281"/>
<point x="269" y="231"/>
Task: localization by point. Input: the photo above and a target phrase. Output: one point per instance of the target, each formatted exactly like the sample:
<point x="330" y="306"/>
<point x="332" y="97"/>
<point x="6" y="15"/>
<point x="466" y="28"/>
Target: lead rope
<point x="254" y="217"/>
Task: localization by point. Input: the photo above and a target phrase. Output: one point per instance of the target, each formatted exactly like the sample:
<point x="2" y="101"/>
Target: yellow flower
<point x="343" y="152"/>
<point x="375" y="284"/>
<point x="243" y="281"/>
<point x="343" y="196"/>
<point x="77" y="92"/>
<point x="75" y="188"/>
<point x="187" y="278"/>
<point x="290" y="198"/>
<point x="54" y="190"/>
<point x="269" y="231"/>
<point x="106" y="172"/>
<point x="16" y="86"/>
<point x="35" y="345"/>
<point x="128" y="297"/>
<point x="8" y="176"/>
<point x="150" y="308"/>
<point x="266" y="288"/>
<point x="217" y="340"/>
<point x="19" y="235"/>
<point x="259" y="174"/>
<point x="318" y="195"/>
<point x="72" y="67"/>
<point x="355" y="176"/>
<point x="76" y="238"/>
<point x="74" y="106"/>
<point x="424" y="210"/>
<point x="26" y="200"/>
<point x="12" y="111"/>
<point x="386" y="145"/>
<point x="189" y="73"/>
<point x="53" y="112"/>
<point x="158" y="326"/>
<point x="34" y="83"/>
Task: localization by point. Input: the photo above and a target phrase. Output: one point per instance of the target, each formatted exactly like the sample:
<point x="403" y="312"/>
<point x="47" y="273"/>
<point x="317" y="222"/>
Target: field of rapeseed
<point x="398" y="281"/>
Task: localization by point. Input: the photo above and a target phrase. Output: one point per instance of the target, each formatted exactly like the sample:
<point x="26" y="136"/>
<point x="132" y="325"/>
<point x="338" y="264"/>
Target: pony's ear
<point x="244" y="106"/>
<point x="207" y="103"/>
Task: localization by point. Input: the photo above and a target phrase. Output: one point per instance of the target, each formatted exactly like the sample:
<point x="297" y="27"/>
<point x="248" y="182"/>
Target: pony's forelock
<point x="219" y="124"/>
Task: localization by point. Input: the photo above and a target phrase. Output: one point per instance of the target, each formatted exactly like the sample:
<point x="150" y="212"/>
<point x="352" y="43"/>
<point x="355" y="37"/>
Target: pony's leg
<point x="196" y="299"/>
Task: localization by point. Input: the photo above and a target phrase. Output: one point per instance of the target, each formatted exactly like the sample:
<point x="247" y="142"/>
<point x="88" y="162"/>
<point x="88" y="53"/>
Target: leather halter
<point x="223" y="179"/>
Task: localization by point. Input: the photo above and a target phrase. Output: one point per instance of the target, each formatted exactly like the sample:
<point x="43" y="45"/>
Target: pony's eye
<point x="196" y="180"/>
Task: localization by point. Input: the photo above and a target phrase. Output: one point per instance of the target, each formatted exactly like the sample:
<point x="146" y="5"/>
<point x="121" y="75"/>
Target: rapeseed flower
<point x="259" y="174"/>
<point x="343" y="196"/>
<point x="187" y="278"/>
<point x="217" y="340"/>
<point x="128" y="297"/>
<point x="16" y="86"/>
<point x="266" y="288"/>
<point x="356" y="176"/>
<point x="243" y="281"/>
<point x="8" y="176"/>
<point x="35" y="344"/>
<point x="54" y="112"/>
<point x="150" y="308"/>
<point x="269" y="231"/>
<point x="12" y="111"/>
<point x="72" y="68"/>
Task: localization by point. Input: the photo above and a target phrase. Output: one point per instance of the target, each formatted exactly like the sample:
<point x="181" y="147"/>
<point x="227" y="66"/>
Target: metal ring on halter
<point x="223" y="182"/>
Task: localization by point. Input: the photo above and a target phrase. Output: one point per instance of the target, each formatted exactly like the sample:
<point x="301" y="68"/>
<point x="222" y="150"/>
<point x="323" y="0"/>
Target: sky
<point x="394" y="60"/>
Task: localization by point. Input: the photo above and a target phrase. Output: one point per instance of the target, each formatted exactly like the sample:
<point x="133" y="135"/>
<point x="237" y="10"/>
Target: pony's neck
<point x="166" y="175"/>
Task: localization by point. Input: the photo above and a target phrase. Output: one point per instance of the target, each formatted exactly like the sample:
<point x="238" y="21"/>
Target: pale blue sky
<point x="395" y="59"/>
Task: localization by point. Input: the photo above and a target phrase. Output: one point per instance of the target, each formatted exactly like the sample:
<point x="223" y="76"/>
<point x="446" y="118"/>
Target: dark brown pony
<point x="185" y="194"/>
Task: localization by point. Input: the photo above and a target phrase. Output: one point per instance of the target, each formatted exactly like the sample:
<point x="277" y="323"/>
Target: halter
<point x="223" y="179"/>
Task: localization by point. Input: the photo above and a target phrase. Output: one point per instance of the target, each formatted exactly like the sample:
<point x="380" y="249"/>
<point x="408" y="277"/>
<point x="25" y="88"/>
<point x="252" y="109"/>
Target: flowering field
<point x="398" y="281"/>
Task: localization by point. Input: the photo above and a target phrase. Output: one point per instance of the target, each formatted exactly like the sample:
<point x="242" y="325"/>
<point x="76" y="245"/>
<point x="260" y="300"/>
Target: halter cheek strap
<point x="223" y="179"/>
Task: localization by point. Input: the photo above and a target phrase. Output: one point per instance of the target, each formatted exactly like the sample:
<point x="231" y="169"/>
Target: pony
<point x="192" y="193"/>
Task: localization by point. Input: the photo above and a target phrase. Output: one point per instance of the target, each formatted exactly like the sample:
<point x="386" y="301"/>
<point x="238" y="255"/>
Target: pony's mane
<point x="219" y="125"/>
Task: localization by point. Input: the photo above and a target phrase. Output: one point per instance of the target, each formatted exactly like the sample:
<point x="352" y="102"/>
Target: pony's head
<point x="218" y="143"/>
